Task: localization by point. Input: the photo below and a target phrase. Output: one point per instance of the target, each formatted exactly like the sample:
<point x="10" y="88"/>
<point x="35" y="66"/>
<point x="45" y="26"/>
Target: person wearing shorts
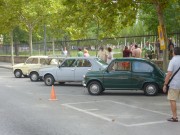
<point x="174" y="85"/>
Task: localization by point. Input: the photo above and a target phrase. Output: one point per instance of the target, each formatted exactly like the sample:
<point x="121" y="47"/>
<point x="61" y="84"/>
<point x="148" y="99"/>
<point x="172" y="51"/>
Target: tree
<point x="34" y="12"/>
<point x="8" y="20"/>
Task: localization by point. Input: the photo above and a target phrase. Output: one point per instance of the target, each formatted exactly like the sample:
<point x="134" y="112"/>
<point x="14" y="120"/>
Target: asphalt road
<point x="26" y="110"/>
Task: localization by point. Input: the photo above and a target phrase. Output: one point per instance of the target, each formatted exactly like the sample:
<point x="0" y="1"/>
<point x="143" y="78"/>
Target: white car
<point x="72" y="69"/>
<point x="33" y="62"/>
<point x="22" y="69"/>
<point x="33" y="72"/>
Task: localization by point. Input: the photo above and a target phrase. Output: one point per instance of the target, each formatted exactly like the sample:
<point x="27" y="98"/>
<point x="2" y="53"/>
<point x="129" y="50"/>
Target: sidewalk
<point x="5" y="65"/>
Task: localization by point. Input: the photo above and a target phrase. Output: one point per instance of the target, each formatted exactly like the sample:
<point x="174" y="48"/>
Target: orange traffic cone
<point x="53" y="95"/>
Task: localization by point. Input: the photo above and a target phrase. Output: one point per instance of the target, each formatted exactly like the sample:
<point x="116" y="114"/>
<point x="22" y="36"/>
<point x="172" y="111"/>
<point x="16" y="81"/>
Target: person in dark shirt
<point x="170" y="48"/>
<point x="126" y="52"/>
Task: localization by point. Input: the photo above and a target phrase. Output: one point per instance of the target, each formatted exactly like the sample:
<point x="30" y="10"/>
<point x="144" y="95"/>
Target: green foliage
<point x="82" y="19"/>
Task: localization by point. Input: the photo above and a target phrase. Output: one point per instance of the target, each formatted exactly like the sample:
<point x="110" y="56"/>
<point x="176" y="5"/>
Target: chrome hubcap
<point x="34" y="77"/>
<point x="94" y="88"/>
<point x="151" y="89"/>
<point x="17" y="74"/>
<point x="48" y="81"/>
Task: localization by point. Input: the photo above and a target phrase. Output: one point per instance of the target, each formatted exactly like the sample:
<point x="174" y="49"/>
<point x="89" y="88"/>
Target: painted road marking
<point x="92" y="114"/>
<point x="70" y="105"/>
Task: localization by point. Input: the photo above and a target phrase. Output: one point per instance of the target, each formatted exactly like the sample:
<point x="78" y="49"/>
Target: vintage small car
<point x="72" y="69"/>
<point x="126" y="74"/>
<point x="32" y="65"/>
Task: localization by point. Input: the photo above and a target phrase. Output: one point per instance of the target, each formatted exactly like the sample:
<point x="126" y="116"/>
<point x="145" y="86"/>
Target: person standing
<point x="170" y="48"/>
<point x="109" y="55"/>
<point x="80" y="53"/>
<point x="86" y="54"/>
<point x="102" y="54"/>
<point x="65" y="52"/>
<point x="126" y="52"/>
<point x="136" y="52"/>
<point x="174" y="85"/>
<point x="148" y="50"/>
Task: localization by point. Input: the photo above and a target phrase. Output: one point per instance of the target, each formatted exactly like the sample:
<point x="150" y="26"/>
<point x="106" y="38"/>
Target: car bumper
<point x="83" y="83"/>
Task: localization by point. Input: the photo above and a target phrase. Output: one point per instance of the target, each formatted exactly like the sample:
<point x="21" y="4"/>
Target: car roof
<point x="92" y="57"/>
<point x="131" y="59"/>
<point x="41" y="56"/>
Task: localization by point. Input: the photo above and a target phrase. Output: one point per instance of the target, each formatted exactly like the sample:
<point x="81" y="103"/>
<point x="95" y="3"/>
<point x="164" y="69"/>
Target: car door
<point x="118" y="75"/>
<point x="66" y="70"/>
<point x="141" y="72"/>
<point x="82" y="67"/>
<point x="30" y="63"/>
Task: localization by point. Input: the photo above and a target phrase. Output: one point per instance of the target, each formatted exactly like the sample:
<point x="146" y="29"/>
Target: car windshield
<point x="101" y="62"/>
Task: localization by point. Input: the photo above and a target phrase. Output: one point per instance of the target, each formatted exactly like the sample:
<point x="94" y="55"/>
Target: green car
<point x="126" y="74"/>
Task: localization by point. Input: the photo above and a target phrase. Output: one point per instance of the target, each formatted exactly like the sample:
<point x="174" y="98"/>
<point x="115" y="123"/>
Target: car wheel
<point x="150" y="89"/>
<point x="18" y="73"/>
<point x="49" y="80"/>
<point x="34" y="76"/>
<point x="95" y="88"/>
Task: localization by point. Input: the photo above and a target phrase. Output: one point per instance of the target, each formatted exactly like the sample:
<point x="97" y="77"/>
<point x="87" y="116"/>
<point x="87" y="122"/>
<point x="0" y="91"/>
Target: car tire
<point x="150" y="89"/>
<point x="49" y="80"/>
<point x="95" y="88"/>
<point x="18" y="73"/>
<point x="34" y="76"/>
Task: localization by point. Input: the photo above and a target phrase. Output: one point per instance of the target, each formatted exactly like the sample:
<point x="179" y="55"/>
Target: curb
<point x="6" y="67"/>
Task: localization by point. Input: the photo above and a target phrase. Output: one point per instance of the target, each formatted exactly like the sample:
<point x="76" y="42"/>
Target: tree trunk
<point x="53" y="49"/>
<point x="12" y="55"/>
<point x="30" y="40"/>
<point x="159" y="10"/>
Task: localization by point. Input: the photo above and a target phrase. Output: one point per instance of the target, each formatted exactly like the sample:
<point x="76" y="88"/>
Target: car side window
<point x="43" y="61"/>
<point x="32" y="61"/>
<point x="68" y="63"/>
<point x="120" y="66"/>
<point x="83" y="63"/>
<point x="141" y="67"/>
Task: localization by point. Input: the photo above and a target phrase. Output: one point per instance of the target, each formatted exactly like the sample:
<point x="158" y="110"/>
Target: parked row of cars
<point x="95" y="74"/>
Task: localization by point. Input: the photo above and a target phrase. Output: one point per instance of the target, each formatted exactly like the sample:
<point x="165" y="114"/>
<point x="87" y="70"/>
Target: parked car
<point x="33" y="72"/>
<point x="23" y="69"/>
<point x="126" y="74"/>
<point x="71" y="70"/>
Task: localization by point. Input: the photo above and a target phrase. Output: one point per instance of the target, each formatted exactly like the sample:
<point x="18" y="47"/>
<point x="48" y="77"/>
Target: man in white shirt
<point x="174" y="86"/>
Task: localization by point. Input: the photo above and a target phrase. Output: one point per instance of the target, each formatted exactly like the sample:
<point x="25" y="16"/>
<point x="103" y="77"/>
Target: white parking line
<point x="70" y="105"/>
<point x="146" y="123"/>
<point x="90" y="113"/>
<point x="132" y="106"/>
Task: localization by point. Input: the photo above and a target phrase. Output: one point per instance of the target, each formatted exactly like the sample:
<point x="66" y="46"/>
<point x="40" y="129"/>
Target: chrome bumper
<point x="83" y="83"/>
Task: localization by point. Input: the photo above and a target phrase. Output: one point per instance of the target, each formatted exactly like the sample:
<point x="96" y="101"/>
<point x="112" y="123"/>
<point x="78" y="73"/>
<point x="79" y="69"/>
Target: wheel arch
<point x="17" y="69"/>
<point x="33" y="72"/>
<point x="100" y="82"/>
<point x="144" y="84"/>
<point x="49" y="74"/>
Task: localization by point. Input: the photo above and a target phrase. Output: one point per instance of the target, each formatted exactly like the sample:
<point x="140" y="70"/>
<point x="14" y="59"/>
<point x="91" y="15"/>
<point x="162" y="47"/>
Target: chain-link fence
<point x="56" y="47"/>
